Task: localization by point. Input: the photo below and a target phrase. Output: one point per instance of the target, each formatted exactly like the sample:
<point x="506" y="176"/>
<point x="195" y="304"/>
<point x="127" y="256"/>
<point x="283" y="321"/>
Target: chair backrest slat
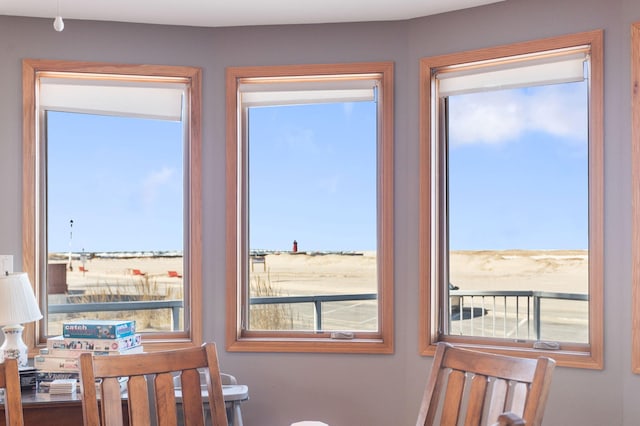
<point x="473" y="388"/>
<point x="165" y="396"/>
<point x="162" y="366"/>
<point x="497" y="398"/>
<point x="453" y="398"/>
<point x="192" y="406"/>
<point x="112" y="402"/>
<point x="477" y="394"/>
<point x="518" y="398"/>
<point x="10" y="381"/>
<point x="139" y="406"/>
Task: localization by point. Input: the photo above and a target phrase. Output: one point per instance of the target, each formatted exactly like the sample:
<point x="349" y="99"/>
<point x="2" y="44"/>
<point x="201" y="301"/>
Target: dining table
<point x="45" y="409"/>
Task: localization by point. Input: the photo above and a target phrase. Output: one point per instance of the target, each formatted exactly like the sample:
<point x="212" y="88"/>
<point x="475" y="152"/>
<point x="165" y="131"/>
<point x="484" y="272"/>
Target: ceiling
<point x="222" y="13"/>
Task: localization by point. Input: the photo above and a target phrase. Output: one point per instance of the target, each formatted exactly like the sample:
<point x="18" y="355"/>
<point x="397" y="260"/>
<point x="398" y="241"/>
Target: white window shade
<point x="140" y="101"/>
<point x="532" y="72"/>
<point x="296" y="93"/>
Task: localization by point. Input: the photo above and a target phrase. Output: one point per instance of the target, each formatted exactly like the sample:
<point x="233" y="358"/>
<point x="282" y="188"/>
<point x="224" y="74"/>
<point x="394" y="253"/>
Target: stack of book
<point x="62" y="386"/>
<point x="61" y="358"/>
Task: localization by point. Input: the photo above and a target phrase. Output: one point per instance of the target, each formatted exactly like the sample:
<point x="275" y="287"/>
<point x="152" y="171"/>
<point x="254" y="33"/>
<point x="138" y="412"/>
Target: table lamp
<point x="17" y="305"/>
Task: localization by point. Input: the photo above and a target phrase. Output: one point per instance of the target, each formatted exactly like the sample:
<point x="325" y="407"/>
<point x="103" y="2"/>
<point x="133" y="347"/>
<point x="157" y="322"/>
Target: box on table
<point x="120" y="344"/>
<point x="45" y="378"/>
<point x="50" y="376"/>
<point x="54" y="363"/>
<point x="75" y="353"/>
<point x="99" y="329"/>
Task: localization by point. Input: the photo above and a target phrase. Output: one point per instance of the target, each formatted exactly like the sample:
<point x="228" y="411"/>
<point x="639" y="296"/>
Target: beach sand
<point x="304" y="274"/>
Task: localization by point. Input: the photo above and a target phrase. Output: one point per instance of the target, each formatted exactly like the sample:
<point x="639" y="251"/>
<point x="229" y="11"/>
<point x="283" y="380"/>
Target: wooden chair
<point x="161" y="366"/>
<point x="10" y="382"/>
<point x="477" y="388"/>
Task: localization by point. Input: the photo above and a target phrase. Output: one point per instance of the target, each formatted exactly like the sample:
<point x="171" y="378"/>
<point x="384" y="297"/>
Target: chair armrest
<point x="510" y="419"/>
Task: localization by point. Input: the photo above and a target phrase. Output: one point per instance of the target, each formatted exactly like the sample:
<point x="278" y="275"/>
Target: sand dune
<point x="557" y="270"/>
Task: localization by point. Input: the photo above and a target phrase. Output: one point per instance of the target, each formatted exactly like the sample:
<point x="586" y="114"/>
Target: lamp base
<point x="13" y="346"/>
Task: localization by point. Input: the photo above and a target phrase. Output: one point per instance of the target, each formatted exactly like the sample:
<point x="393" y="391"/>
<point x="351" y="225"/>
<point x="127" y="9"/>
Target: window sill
<point x="569" y="355"/>
<point x="305" y="345"/>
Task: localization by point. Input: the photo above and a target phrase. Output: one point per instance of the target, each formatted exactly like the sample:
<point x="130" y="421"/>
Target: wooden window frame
<point x="635" y="188"/>
<point x="588" y="355"/>
<point x="239" y="340"/>
<point x="32" y="70"/>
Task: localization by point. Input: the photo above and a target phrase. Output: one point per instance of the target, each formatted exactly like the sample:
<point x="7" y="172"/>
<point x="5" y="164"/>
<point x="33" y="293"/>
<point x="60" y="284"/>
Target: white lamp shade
<point x="17" y="302"/>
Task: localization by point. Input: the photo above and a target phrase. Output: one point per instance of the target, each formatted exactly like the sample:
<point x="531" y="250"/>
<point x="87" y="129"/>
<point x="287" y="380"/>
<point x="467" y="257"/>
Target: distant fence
<point x="316" y="300"/>
<point x="465" y="305"/>
<point x="469" y="305"/>
<point x="463" y="300"/>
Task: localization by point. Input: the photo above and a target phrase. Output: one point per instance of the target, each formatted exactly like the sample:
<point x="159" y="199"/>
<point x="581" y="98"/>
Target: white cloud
<point x="154" y="181"/>
<point x="501" y="116"/>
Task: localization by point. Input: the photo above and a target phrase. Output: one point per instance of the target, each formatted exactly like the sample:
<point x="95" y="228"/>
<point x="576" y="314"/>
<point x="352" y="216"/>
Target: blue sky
<point x="518" y="170"/>
<point x="312" y="174"/>
<point x="137" y="206"/>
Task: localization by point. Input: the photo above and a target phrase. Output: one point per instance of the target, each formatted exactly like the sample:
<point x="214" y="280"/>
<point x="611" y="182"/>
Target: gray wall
<point x="367" y="390"/>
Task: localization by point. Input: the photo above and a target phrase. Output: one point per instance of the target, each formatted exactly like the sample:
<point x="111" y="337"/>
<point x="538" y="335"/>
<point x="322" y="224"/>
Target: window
<point x="111" y="223"/>
<point x="309" y="208"/>
<point x="511" y="210"/>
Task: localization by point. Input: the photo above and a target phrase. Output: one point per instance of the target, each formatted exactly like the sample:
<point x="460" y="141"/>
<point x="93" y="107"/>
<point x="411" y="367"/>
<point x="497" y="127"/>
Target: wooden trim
<point x="574" y="355"/>
<point x="596" y="205"/>
<point x="192" y="77"/>
<point x="233" y="321"/>
<point x="381" y="342"/>
<point x="522" y="48"/>
<point x="195" y="288"/>
<point x="28" y="191"/>
<point x="386" y="209"/>
<point x="635" y="188"/>
<point x="426" y="113"/>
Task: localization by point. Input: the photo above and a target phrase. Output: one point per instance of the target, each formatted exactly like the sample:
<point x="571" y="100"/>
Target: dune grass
<point x="143" y="288"/>
<point x="269" y="316"/>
